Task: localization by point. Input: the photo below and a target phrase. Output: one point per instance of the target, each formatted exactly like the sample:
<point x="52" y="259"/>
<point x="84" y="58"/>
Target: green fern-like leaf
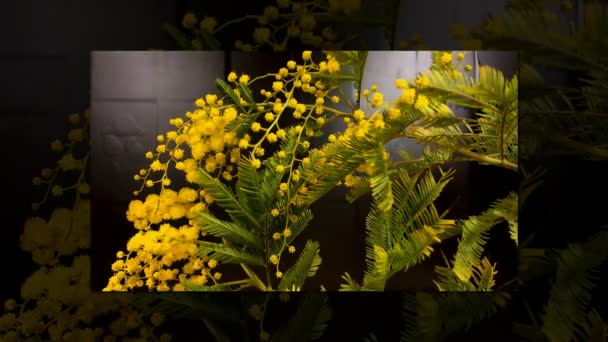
<point x="380" y="182"/>
<point x="307" y="265"/>
<point x="454" y="90"/>
<point x="347" y="154"/>
<point x="413" y="249"/>
<point x="402" y="237"/>
<point x="594" y="329"/>
<point x="297" y="227"/>
<point x="378" y="270"/>
<point x="233" y="232"/>
<point x="271" y="179"/>
<point x="492" y="134"/>
<point x="475" y="232"/>
<point x="435" y="317"/>
<point x="482" y="278"/>
<point x="309" y="321"/>
<point x="409" y="317"/>
<point x="360" y="188"/>
<point x="225" y="89"/>
<point x="229" y="254"/>
<point x="248" y="186"/>
<point x="224" y="197"/>
<point x="457" y="318"/>
<point x="188" y="305"/>
<point x="570" y="294"/>
<point x="415" y="196"/>
<point x="349" y="284"/>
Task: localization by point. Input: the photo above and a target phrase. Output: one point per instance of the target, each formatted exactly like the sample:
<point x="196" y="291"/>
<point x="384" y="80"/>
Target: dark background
<point x="44" y="75"/>
<point x="45" y="68"/>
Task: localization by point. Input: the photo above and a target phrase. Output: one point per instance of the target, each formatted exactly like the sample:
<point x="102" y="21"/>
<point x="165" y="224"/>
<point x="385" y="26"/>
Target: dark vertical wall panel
<point x="45" y="75"/>
<point x="133" y="96"/>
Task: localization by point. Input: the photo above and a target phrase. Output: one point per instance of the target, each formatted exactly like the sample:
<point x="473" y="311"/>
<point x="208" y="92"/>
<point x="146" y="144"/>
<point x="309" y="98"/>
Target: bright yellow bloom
<point x="349" y="180"/>
<point x="446" y="58"/>
<point x="156" y="165"/>
<point x="232" y="76"/>
<point x="211" y="99"/>
<point x="377" y="100"/>
<point x="244" y="79"/>
<point x="333" y="66"/>
<point x="359" y="114"/>
<point x="422" y="81"/>
<point x="407" y="96"/>
<point x="400" y="83"/>
<point x="422" y="102"/>
<point x="178" y="153"/>
<point x="256" y="163"/>
<point x="271" y="137"/>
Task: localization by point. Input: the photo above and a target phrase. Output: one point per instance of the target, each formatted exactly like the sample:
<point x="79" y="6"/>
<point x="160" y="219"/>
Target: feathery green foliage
<point x="475" y="232"/>
<point x="268" y="199"/>
<point x="228" y="254"/>
<point x="306" y="266"/>
<point x="481" y="279"/>
<point x="186" y="305"/>
<point x="230" y="231"/>
<point x="432" y="317"/>
<point x="402" y="237"/>
<point x="309" y="321"/>
<point x="379" y="182"/>
<point x="570" y="294"/>
<point x="492" y="137"/>
<point x="224" y="197"/>
<point x="248" y="186"/>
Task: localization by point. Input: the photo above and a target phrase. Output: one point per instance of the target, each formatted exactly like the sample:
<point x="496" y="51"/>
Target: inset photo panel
<point x="303" y="171"/>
